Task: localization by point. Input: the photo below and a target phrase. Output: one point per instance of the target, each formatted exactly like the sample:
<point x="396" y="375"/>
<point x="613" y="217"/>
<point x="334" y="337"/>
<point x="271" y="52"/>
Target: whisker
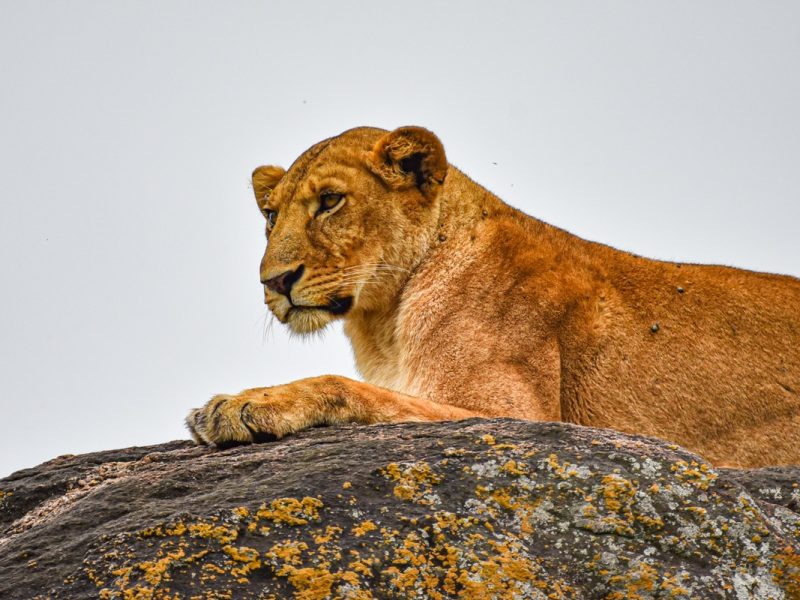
<point x="375" y="270"/>
<point x="360" y="279"/>
<point x="268" y="322"/>
<point x="374" y="266"/>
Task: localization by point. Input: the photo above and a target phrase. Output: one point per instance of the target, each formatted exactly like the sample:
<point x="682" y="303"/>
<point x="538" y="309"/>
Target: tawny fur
<point x="463" y="306"/>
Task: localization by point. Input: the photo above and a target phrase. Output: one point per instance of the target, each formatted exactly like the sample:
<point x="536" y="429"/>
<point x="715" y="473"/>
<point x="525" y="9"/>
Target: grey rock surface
<point x="472" y="509"/>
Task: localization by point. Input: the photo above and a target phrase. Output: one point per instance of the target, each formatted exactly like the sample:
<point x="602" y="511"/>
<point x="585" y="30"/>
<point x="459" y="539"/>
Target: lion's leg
<point x="267" y="413"/>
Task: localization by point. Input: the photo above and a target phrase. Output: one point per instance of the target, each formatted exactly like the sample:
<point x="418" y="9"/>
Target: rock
<point x="473" y="509"/>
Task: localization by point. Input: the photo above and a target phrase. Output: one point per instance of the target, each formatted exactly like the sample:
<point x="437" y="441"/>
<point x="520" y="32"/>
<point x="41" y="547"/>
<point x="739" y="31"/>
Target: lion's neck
<point x="375" y="347"/>
<point x="464" y="203"/>
<point x="379" y="354"/>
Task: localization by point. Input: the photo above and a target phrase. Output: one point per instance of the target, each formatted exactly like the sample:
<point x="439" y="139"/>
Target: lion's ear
<point x="408" y="157"/>
<point x="264" y="181"/>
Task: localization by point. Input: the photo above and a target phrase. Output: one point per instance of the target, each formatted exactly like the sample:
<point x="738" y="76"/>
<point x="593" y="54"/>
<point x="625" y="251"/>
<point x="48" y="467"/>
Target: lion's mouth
<point x="337" y="306"/>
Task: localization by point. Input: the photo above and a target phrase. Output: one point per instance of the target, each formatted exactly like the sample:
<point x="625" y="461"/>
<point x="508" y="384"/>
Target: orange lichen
<point x="617" y="492"/>
<point x="248" y="556"/>
<point x="242" y="512"/>
<point x="454" y="452"/>
<point x="698" y="474"/>
<point x="291" y="511"/>
<point x="499" y="448"/>
<point x="363" y="528"/>
<point x="512" y="467"/>
<point x="214" y="568"/>
<point x="331" y="531"/>
<point x="221" y="533"/>
<point x="288" y="552"/>
<point x="155" y="571"/>
<point x="786" y="571"/>
<point x="363" y="567"/>
<point x="647" y="521"/>
<point x="641" y="578"/>
<point x="563" y="471"/>
<point x="413" y="481"/>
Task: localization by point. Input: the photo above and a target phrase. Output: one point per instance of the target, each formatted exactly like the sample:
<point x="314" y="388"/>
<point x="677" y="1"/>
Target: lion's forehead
<point x="338" y="169"/>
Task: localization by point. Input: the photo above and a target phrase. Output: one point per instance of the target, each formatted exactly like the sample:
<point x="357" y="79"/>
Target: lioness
<point x="458" y="305"/>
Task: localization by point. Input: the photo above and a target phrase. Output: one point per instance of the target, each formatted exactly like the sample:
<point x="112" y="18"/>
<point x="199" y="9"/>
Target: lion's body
<point x="479" y="309"/>
<point x="706" y="356"/>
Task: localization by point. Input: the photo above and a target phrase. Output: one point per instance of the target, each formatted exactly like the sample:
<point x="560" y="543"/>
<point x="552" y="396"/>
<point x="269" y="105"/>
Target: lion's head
<point x="347" y="222"/>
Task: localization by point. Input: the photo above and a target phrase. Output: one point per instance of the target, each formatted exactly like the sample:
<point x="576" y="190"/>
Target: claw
<point x="258" y="436"/>
<point x="228" y="420"/>
<point x="195" y="422"/>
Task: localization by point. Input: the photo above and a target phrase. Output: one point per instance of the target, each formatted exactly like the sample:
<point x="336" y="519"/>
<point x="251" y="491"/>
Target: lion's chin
<point x="305" y="319"/>
<point x="308" y="320"/>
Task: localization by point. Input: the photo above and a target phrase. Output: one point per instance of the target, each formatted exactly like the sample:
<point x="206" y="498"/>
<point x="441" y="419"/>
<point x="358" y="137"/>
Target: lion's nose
<point x="282" y="284"/>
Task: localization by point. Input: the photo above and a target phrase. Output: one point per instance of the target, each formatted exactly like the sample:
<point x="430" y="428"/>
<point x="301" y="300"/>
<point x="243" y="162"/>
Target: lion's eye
<point x="329" y="200"/>
<point x="271" y="216"/>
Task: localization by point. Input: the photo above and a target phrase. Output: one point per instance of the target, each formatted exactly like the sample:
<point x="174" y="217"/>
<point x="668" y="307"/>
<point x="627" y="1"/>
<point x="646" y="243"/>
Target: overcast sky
<point x="130" y="242"/>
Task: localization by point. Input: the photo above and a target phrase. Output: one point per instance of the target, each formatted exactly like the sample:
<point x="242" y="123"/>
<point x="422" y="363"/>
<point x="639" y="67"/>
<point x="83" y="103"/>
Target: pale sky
<point x="128" y="130"/>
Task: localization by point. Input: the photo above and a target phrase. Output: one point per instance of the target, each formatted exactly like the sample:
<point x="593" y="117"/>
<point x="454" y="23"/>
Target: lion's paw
<point x="229" y="420"/>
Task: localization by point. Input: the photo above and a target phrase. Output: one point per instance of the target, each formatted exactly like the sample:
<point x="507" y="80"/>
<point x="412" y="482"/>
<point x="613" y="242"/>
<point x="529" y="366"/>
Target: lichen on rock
<point x="473" y="509"/>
